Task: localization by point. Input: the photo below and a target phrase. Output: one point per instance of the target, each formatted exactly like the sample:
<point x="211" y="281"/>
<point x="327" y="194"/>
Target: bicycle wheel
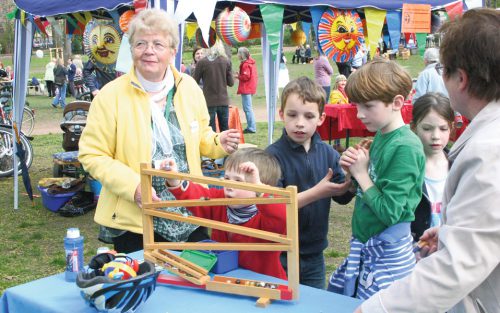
<point x="7" y="143"/>
<point x="28" y="121"/>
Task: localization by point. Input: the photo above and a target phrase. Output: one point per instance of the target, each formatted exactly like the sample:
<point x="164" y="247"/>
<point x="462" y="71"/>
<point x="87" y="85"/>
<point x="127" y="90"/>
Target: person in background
<point x="344" y="68"/>
<point x="302" y="55"/>
<point x="296" y="55"/>
<point x="10" y="72"/>
<point x="338" y="96"/>
<point x="247" y="77"/>
<point x="198" y="54"/>
<point x="61" y="82"/>
<point x="313" y="166"/>
<point x="359" y="58"/>
<point x="430" y="79"/>
<point x="308" y="55"/>
<point x="215" y="71"/>
<point x="71" y="77"/>
<point x="77" y="60"/>
<point x="251" y="165"/>
<point x="432" y="122"/>
<point x="96" y="78"/>
<point x="323" y="72"/>
<point x="462" y="271"/>
<point x="389" y="176"/>
<point x="145" y="116"/>
<point x="49" y="78"/>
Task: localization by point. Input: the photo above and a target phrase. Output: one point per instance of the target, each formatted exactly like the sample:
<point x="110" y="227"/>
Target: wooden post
<point x="292" y="231"/>
<point x="146" y="194"/>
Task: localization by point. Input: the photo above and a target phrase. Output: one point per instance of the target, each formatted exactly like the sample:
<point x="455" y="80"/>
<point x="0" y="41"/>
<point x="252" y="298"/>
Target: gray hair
<point x="431" y="55"/>
<point x="243" y="51"/>
<point x="157" y="21"/>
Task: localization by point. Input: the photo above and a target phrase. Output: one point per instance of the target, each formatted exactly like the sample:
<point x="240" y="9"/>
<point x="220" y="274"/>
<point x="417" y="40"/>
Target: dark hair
<point x="269" y="168"/>
<point x="471" y="43"/>
<point x="196" y="49"/>
<point x="307" y="90"/>
<point x="432" y="101"/>
<point x="379" y="79"/>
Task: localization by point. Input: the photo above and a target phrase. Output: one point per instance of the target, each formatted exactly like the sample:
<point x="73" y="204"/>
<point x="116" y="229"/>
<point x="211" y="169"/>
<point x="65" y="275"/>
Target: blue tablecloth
<point x="54" y="294"/>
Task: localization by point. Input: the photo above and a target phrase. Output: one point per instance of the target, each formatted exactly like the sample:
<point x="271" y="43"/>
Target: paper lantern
<point x="340" y="33"/>
<point x="212" y="37"/>
<point x="233" y="26"/>
<point x="39" y="54"/>
<point x="125" y="19"/>
<point x="101" y="40"/>
<point x="298" y="37"/>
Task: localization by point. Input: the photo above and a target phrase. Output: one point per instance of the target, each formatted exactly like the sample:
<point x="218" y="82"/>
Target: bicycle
<point x="7" y="143"/>
<point x="28" y="123"/>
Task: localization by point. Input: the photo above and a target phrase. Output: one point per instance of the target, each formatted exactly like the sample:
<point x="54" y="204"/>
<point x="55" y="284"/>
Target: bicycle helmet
<point x="110" y="295"/>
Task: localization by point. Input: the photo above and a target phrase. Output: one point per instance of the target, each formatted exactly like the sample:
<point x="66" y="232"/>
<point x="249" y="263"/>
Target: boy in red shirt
<point x="246" y="165"/>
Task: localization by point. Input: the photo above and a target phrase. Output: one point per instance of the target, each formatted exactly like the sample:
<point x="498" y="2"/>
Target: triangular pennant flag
<point x="394" y="26"/>
<point x="40" y="25"/>
<point x="12" y="14"/>
<point x="204" y="11"/>
<point x="23" y="17"/>
<point x="184" y="10"/>
<point x="374" y="23"/>
<point x="454" y="10"/>
<point x="124" y="59"/>
<point x="80" y="18"/>
<point x="421" y="41"/>
<point x="88" y="17"/>
<point x="306" y="27"/>
<point x="294" y="26"/>
<point x="471" y="4"/>
<point x="316" y="13"/>
<point x="255" y="31"/>
<point x="272" y="16"/>
<point x="71" y="24"/>
<point x="191" y="30"/>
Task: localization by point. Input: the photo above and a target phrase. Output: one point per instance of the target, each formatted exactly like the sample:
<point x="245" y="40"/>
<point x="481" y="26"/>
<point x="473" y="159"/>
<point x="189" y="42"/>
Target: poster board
<point x="416" y="18"/>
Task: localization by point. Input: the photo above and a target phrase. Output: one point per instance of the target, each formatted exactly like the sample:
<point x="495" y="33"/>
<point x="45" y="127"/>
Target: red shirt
<point x="270" y="217"/>
<point x="247" y="77"/>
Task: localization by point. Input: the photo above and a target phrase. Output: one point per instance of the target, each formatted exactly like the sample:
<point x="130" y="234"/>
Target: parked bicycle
<point x="6" y="112"/>
<point x="7" y="143"/>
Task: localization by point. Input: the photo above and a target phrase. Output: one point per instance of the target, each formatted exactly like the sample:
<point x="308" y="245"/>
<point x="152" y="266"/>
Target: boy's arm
<point x="273" y="217"/>
<point x="389" y="198"/>
<point x="189" y="190"/>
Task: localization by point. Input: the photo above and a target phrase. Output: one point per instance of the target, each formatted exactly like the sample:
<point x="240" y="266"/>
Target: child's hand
<point x="329" y="189"/>
<point x="251" y="172"/>
<point x="169" y="165"/>
<point x="348" y="158"/>
<point x="360" y="166"/>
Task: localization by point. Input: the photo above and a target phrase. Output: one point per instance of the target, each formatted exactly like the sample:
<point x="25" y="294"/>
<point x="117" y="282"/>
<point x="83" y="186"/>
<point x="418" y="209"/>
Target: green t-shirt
<point x="397" y="169"/>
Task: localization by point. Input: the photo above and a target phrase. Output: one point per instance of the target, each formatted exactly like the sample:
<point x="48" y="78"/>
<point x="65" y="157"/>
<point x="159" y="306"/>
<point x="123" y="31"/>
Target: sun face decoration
<point x="340" y="33"/>
<point x="102" y="40"/>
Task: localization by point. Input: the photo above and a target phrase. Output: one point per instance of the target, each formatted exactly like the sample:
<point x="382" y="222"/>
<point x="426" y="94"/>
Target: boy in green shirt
<point x="389" y="176"/>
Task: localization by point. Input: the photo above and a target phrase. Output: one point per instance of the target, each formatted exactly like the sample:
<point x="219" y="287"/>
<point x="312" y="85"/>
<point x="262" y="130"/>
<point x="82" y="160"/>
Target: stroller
<point x="74" y="121"/>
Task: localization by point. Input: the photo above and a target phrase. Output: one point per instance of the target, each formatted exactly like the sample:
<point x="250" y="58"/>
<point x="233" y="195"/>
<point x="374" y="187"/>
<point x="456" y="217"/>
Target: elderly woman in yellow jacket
<point x="338" y="95"/>
<point x="149" y="114"/>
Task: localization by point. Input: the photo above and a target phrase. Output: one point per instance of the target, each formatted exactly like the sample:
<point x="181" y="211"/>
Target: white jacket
<point x="464" y="274"/>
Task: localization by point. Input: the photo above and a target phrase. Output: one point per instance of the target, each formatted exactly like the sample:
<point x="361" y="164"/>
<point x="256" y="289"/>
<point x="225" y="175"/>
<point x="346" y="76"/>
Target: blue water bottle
<point x="73" y="246"/>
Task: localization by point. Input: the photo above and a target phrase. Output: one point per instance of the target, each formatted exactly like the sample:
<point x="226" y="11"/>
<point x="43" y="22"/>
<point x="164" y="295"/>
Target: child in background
<point x="432" y="122"/>
<point x="338" y="96"/>
<point x="313" y="166"/>
<point x="389" y="178"/>
<point x="246" y="165"/>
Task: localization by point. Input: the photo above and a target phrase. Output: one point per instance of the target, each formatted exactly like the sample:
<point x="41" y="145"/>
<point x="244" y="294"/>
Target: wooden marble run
<point x="194" y="276"/>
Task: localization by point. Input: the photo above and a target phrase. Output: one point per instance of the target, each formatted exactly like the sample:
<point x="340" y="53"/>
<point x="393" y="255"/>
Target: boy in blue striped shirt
<point x="388" y="175"/>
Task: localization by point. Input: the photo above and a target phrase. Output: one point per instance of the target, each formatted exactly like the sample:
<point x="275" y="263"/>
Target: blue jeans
<point x="247" y="108"/>
<point x="311" y="269"/>
<point x="61" y="97"/>
<point x="327" y="91"/>
<point x="222" y="113"/>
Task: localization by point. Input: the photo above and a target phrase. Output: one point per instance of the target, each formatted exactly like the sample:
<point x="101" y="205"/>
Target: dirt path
<point x="53" y="126"/>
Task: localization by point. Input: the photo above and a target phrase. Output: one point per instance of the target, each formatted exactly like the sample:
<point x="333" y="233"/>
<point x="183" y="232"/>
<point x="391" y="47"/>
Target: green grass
<point x="31" y="238"/>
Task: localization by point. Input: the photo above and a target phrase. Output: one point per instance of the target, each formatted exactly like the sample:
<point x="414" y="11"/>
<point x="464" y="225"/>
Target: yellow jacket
<point x="117" y="138"/>
<point x="336" y="97"/>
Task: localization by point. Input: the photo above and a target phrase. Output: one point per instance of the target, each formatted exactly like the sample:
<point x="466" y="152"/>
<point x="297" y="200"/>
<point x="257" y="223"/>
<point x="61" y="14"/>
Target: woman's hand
<point x="429" y="240"/>
<point x="229" y="139"/>
<point x="138" y="196"/>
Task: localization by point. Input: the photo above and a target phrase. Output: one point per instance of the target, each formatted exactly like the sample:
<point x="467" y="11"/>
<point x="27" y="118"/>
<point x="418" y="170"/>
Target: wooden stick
<point x="292" y="227"/>
<point x="242" y="230"/>
<point x="263" y="302"/>
<point x="217" y="246"/>
<point x="243" y="290"/>
<point x="147" y="220"/>
<point x="212" y="202"/>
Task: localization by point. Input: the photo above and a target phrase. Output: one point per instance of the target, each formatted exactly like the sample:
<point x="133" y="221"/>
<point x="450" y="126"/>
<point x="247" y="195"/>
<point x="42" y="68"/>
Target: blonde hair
<point x="378" y="80"/>
<point x="338" y="79"/>
<point x="307" y="90"/>
<point x="154" y="21"/>
<point x="217" y="50"/>
<point x="269" y="168"/>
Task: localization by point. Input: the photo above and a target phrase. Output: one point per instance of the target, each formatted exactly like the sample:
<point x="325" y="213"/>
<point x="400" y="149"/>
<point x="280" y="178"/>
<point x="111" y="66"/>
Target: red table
<point x="341" y="122"/>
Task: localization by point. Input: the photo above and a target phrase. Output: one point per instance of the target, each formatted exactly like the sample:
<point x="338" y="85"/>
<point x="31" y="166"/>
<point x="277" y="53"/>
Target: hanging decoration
<point x="272" y="16"/>
<point x="233" y="26"/>
<point x="339" y="33"/>
<point x="140" y="5"/>
<point x="191" y="30"/>
<point x="102" y="39"/>
<point x="199" y="38"/>
<point x="125" y="19"/>
<point x="374" y="23"/>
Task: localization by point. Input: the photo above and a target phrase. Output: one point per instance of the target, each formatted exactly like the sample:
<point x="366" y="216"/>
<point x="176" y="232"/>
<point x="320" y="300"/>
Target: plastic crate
<point x="200" y="258"/>
<point x="54" y="202"/>
<point x="227" y="260"/>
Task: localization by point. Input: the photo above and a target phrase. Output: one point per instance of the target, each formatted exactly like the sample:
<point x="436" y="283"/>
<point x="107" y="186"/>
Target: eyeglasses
<point x="440" y="68"/>
<point x="158" y="46"/>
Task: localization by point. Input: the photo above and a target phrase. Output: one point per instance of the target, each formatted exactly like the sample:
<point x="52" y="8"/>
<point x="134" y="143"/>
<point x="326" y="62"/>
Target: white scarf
<point x="157" y="92"/>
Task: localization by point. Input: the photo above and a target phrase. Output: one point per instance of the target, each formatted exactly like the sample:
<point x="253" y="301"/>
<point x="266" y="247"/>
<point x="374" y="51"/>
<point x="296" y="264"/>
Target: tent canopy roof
<point x="294" y="9"/>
